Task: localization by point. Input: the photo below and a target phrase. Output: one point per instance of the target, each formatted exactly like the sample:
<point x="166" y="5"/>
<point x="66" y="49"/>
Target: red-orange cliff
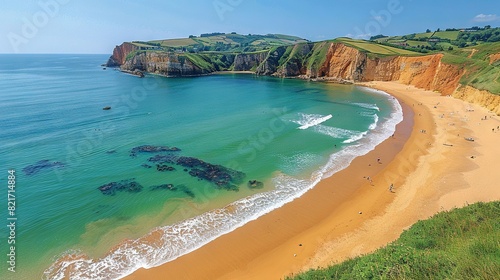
<point x="342" y="63"/>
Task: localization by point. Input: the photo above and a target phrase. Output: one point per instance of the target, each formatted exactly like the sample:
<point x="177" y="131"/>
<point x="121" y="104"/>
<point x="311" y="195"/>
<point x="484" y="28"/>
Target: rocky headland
<point x="328" y="60"/>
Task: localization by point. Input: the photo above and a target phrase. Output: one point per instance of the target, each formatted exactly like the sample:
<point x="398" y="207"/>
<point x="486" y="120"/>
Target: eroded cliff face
<point x="345" y="63"/>
<point x="427" y="72"/>
<point x="120" y="54"/>
<point x="481" y="97"/>
<point x="167" y="64"/>
<point x="248" y="62"/>
<point x="181" y="64"/>
<point x="342" y="63"/>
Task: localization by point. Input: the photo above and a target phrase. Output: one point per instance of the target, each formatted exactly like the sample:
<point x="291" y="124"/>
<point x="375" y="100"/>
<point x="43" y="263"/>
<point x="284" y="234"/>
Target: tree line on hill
<point x="466" y="37"/>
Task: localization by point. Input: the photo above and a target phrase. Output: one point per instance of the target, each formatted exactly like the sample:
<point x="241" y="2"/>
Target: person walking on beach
<point x="391" y="188"/>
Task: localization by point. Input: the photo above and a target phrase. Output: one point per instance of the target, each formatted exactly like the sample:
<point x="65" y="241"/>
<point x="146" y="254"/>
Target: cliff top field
<point x="376" y="49"/>
<point x="217" y="41"/>
<point x="439" y="40"/>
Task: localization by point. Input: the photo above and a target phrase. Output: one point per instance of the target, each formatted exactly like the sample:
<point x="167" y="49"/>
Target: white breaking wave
<point x="375" y="122"/>
<point x="167" y="243"/>
<point x="340" y="133"/>
<point x="367" y="106"/>
<point x="309" y="120"/>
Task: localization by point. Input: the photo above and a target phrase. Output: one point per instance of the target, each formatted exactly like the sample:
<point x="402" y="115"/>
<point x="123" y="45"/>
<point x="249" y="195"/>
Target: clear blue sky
<point x="96" y="26"/>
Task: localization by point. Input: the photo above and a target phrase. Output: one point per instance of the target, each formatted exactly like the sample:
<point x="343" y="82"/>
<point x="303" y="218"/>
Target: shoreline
<point x="276" y="226"/>
<point x="314" y="231"/>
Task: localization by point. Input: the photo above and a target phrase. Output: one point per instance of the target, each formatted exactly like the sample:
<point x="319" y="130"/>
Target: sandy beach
<point x="429" y="162"/>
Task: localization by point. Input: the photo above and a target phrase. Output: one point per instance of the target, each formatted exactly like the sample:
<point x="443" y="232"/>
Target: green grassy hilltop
<point x="460" y="244"/>
<point x="221" y="42"/>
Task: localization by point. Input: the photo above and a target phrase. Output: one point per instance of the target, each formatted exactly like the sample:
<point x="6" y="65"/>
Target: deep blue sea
<point x="173" y="164"/>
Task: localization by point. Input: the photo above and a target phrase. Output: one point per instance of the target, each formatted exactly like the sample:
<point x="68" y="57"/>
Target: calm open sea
<point x="284" y="134"/>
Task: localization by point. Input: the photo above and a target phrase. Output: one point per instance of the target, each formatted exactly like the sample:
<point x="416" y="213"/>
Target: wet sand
<point x="429" y="163"/>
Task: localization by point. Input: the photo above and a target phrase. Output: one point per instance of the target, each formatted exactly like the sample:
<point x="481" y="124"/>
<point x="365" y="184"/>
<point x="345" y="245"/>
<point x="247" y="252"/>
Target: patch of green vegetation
<point x="286" y="56"/>
<point x="375" y="48"/>
<point x="210" y="62"/>
<point x="221" y="42"/>
<point x="442" y="40"/>
<point x="459" y="244"/>
<point x="475" y="60"/>
<point x="176" y="42"/>
<point x="450" y="35"/>
<point x="200" y="60"/>
<point x="132" y="54"/>
<point x="318" y="55"/>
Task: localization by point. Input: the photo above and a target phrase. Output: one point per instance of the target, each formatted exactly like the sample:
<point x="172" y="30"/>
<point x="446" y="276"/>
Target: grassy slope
<point x="460" y="244"/>
<point x="451" y="35"/>
<point x="176" y="42"/>
<point x="479" y="73"/>
<point x="376" y="48"/>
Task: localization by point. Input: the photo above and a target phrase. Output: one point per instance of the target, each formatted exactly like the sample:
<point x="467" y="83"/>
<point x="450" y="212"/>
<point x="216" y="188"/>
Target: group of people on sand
<point x="391" y="187"/>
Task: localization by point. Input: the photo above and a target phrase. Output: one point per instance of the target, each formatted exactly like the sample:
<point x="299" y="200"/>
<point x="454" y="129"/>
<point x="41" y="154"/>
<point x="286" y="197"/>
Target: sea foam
<point x="309" y="120"/>
<point x="167" y="243"/>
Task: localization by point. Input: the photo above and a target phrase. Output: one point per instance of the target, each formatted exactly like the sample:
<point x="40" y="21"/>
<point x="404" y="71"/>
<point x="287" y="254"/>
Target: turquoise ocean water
<point x="63" y="146"/>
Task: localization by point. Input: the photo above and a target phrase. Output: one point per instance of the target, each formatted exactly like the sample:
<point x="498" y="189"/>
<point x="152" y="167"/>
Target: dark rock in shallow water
<point x="186" y="190"/>
<point x="42" y="165"/>
<point x="129" y="185"/>
<point x="222" y="177"/>
<point x="162" y="167"/>
<point x="169" y="187"/>
<point x="111" y="152"/>
<point x="152" y="149"/>
<point x="254" y="184"/>
<point x="219" y="175"/>
<point x="146" y="165"/>
<point x="169" y="158"/>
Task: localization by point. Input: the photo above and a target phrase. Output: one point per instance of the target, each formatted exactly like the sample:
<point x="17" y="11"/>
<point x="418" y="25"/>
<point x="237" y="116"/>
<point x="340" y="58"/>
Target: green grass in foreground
<point x="460" y="244"/>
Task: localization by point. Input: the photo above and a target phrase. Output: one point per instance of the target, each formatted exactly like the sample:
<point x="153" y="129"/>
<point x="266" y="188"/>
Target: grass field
<point x="176" y="42"/>
<point x="235" y="41"/>
<point x="376" y="48"/>
<point x="452" y="35"/>
<point x="460" y="244"/>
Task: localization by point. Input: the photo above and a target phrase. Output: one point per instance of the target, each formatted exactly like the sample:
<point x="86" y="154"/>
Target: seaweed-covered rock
<point x="168" y="187"/>
<point x="163" y="167"/>
<point x="42" y="165"/>
<point x="152" y="149"/>
<point x="254" y="184"/>
<point x="129" y="185"/>
<point x="219" y="175"/>
<point x="169" y="158"/>
<point x="222" y="177"/>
